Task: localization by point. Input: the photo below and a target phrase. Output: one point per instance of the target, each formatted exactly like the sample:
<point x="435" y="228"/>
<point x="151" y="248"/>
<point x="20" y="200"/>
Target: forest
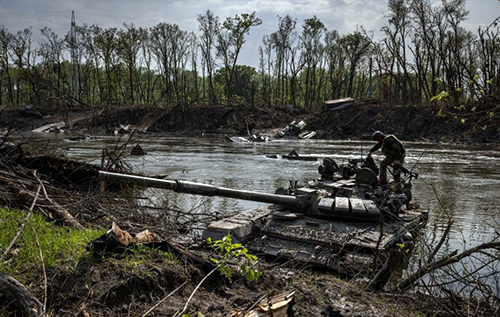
<point x="425" y="57"/>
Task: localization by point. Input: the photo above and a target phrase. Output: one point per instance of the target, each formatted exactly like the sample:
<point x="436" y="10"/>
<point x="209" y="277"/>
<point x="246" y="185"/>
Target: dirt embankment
<point x="356" y="121"/>
<point x="131" y="284"/>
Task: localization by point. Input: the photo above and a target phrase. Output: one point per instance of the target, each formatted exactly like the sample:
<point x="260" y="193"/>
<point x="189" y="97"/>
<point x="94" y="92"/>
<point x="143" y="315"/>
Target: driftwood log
<point x="56" y="211"/>
<point x="15" y="294"/>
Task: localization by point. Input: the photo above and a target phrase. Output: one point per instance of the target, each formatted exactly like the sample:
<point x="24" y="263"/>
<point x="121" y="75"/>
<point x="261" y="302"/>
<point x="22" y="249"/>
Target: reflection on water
<point x="465" y="178"/>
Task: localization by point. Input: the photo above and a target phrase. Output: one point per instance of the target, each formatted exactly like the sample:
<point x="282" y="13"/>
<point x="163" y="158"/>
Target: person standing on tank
<point x="394" y="152"/>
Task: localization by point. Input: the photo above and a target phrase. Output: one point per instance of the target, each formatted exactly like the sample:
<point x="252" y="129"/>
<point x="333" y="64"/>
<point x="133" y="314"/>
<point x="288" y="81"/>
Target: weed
<point x="229" y="251"/>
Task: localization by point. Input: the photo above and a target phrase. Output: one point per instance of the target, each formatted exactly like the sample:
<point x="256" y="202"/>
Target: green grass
<point x="61" y="247"/>
<point x="139" y="255"/>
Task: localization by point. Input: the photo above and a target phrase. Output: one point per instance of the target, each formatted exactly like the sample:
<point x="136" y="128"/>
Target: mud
<point x="425" y="123"/>
<point x="117" y="288"/>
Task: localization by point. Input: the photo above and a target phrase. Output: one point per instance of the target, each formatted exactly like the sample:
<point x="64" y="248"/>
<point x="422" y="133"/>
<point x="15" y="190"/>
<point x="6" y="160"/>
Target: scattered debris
<point x="280" y="305"/>
<point x="146" y="236"/>
<point x="116" y="240"/>
<point x="118" y="129"/>
<point x="296" y="130"/>
<point x="29" y="112"/>
<point x="138" y="150"/>
<point x="293" y="155"/>
<point x="51" y="127"/>
<point x="305" y="135"/>
<point x="237" y="139"/>
<point x="252" y="138"/>
<point x="338" y="104"/>
<point x="292" y="129"/>
<point x="258" y="138"/>
<point x="79" y="137"/>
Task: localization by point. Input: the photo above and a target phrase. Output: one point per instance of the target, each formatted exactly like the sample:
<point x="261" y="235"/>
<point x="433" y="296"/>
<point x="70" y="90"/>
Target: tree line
<point x="425" y="57"/>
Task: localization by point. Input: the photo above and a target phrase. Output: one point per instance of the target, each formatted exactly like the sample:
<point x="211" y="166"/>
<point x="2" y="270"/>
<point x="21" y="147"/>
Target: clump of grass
<point x="142" y="255"/>
<point x="61" y="247"/>
<point x="142" y="261"/>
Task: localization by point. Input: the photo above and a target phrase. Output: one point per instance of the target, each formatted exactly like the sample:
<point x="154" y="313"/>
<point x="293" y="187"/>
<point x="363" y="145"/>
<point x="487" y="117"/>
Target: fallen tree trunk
<point x="15" y="294"/>
<point x="56" y="211"/>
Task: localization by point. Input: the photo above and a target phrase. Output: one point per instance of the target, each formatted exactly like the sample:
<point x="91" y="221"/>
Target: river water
<point x="461" y="181"/>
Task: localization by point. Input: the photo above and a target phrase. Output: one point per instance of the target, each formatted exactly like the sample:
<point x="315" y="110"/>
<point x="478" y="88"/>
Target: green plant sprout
<point x="228" y="251"/>
<point x="440" y="96"/>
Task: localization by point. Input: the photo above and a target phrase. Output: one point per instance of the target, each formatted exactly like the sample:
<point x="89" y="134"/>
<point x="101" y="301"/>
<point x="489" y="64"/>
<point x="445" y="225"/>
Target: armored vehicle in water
<point x="340" y="221"/>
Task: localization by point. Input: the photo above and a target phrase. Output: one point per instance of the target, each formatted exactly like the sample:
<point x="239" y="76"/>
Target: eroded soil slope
<point x="357" y="121"/>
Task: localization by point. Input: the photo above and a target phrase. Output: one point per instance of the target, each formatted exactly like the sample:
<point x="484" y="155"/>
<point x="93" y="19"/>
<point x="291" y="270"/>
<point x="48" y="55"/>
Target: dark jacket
<point x="391" y="146"/>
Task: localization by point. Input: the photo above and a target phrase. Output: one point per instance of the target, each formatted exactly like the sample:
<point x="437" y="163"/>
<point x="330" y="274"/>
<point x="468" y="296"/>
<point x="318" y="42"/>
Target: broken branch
<point x="447" y="260"/>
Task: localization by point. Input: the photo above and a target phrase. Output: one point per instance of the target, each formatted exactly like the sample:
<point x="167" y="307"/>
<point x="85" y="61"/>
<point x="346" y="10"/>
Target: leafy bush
<point x="229" y="251"/>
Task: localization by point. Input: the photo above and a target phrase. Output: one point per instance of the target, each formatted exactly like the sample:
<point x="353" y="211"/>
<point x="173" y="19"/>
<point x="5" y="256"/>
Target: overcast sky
<point x="341" y="15"/>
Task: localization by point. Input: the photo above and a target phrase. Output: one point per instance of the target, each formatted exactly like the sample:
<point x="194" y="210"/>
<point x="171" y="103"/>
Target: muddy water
<point x="462" y="181"/>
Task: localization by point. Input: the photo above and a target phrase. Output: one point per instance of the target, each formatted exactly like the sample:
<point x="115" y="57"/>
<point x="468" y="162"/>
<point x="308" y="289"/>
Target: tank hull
<point x="344" y="244"/>
<point x="346" y="247"/>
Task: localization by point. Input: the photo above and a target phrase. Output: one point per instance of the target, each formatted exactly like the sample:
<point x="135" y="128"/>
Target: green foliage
<point x="303" y="66"/>
<point x="243" y="81"/>
<point x="61" y="247"/>
<point x="403" y="247"/>
<point x="441" y="113"/>
<point x="443" y="95"/>
<point x="228" y="251"/>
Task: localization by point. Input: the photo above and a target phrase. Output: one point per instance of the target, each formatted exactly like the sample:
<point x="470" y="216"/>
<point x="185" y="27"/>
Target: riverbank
<point x="357" y="121"/>
<point x="132" y="283"/>
<point x="76" y="279"/>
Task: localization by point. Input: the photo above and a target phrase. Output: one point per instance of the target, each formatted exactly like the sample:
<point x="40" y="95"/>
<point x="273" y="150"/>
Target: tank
<point x="340" y="221"/>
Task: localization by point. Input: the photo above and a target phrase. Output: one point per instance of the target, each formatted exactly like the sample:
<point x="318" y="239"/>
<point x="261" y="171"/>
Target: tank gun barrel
<point x="201" y="189"/>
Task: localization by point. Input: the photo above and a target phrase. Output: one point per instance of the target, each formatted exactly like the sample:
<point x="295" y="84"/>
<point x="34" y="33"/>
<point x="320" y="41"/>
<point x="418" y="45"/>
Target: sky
<point x="344" y="16"/>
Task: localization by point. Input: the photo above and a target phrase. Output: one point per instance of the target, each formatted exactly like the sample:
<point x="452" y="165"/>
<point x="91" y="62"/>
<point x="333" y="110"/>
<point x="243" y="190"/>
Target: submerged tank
<point x="340" y="221"/>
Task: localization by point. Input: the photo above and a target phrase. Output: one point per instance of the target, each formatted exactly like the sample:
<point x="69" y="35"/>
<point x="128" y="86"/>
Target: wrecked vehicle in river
<point x="253" y="138"/>
<point x="349" y="225"/>
<point x="295" y="130"/>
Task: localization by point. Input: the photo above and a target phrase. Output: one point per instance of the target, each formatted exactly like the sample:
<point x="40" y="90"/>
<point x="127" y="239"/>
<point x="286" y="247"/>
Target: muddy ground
<point x="425" y="123"/>
<point x="130" y="284"/>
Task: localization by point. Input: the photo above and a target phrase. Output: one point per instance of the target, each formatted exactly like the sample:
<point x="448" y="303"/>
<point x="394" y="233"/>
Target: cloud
<point x="341" y="15"/>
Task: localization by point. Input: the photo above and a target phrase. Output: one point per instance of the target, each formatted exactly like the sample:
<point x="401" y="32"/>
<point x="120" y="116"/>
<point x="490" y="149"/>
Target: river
<point x="462" y="181"/>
